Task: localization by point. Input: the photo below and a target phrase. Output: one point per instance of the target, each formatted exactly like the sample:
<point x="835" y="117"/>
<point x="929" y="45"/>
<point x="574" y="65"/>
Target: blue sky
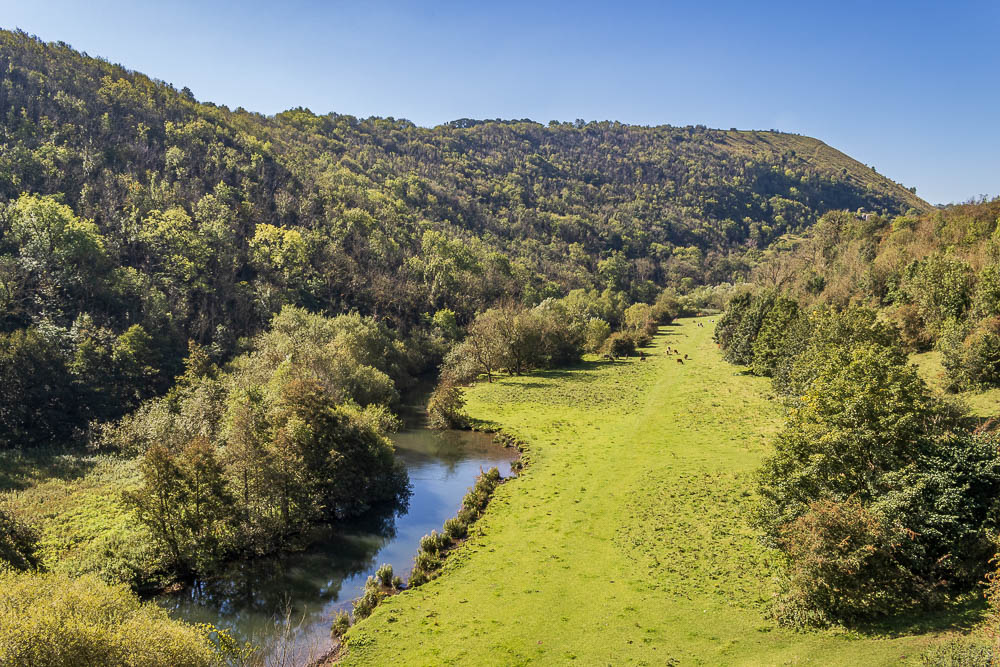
<point x="912" y="88"/>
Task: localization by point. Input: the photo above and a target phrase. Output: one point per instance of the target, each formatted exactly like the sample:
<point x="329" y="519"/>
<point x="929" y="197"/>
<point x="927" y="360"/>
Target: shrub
<point x="18" y="544"/>
<point x="941" y="286"/>
<point x="595" y="332"/>
<point x="445" y="407"/>
<point x="435" y="542"/>
<point x="961" y="652"/>
<point x="341" y="624"/>
<point x="773" y="342"/>
<point x="427" y="561"/>
<point x="384" y="575"/>
<point x="52" y="619"/>
<point x="972" y="360"/>
<point x="455" y="529"/>
<point x="840" y="561"/>
<point x="466" y="516"/>
<point x="739" y="346"/>
<point x="418" y="578"/>
<point x="620" y="344"/>
<point x="912" y="328"/>
<point x="373" y="595"/>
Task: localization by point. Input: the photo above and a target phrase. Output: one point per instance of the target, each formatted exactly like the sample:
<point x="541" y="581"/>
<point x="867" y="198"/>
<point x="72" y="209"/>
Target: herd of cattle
<point x="670" y="351"/>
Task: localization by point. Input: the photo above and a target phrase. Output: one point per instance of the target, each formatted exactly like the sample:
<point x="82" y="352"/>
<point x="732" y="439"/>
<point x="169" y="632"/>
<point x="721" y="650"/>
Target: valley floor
<point x="624" y="541"/>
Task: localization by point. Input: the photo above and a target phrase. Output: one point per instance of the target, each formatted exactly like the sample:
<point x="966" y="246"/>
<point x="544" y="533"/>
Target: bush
<point x="878" y="496"/>
<point x="742" y="334"/>
<point x="51" y="619"/>
<point x="619" y="344"/>
<point x="18" y="544"/>
<point x="418" y="578"/>
<point x="435" y="542"/>
<point x="427" y="561"/>
<point x="941" y="287"/>
<point x="840" y="562"/>
<point x="972" y="360"/>
<point x="455" y="529"/>
<point x="595" y="332"/>
<point x="341" y="624"/>
<point x="479" y="496"/>
<point x="445" y="407"/>
<point x="912" y="328"/>
<point x="373" y="595"/>
<point x="774" y="342"/>
<point x="384" y="576"/>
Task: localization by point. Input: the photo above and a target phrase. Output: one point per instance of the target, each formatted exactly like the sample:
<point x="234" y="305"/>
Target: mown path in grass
<point x="623" y="542"/>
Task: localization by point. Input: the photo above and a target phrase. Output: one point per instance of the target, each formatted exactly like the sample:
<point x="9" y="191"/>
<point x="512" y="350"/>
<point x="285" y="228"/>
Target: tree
<point x="878" y="497"/>
<point x="777" y="330"/>
<point x="184" y="502"/>
<point x="841" y="564"/>
<point x="614" y="271"/>
<point x="486" y="344"/>
<point x="37" y="399"/>
<point x="330" y="462"/>
<point x="942" y="288"/>
<point x="640" y="323"/>
<point x="66" y="254"/>
<point x="445" y="407"/>
<point x="741" y="335"/>
<point x="856" y="422"/>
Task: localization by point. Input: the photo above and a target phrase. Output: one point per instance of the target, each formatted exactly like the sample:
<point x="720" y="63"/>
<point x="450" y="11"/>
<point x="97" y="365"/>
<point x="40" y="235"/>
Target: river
<point x="285" y="604"/>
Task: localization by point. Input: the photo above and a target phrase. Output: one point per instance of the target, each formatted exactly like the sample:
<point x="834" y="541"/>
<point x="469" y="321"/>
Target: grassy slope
<point x="74" y="501"/>
<point x="825" y="158"/>
<point x="980" y="403"/>
<point x="623" y="542"/>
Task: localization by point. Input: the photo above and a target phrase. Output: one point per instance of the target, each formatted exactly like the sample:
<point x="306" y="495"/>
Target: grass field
<point x="74" y="500"/>
<point x="624" y="542"/>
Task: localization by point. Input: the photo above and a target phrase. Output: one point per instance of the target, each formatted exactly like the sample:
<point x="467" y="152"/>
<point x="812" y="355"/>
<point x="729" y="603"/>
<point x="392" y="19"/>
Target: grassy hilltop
<point x="624" y="540"/>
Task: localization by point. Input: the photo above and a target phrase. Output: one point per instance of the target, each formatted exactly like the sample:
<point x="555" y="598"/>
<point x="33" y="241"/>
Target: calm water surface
<point x="286" y="604"/>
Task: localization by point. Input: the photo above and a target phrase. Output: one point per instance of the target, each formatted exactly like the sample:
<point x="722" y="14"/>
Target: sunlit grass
<point x="624" y="542"/>
<point x="980" y="403"/>
<point x="74" y="500"/>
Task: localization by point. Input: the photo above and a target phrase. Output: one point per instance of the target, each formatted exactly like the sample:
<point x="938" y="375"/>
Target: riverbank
<point x="625" y="542"/>
<point x="283" y="603"/>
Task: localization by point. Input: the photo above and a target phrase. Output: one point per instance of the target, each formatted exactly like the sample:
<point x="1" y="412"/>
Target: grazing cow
<point x="679" y="360"/>
<point x="685" y="356"/>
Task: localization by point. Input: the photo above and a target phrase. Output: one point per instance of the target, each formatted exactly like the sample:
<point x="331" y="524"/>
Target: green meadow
<point x="625" y="539"/>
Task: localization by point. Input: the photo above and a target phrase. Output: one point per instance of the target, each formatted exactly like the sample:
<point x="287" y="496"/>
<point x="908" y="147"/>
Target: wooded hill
<point x="936" y="275"/>
<point x="139" y="218"/>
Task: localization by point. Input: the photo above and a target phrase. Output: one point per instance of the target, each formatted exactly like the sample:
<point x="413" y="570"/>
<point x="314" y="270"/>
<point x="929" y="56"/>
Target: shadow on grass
<point x="21" y="469"/>
<point x="960" y="616"/>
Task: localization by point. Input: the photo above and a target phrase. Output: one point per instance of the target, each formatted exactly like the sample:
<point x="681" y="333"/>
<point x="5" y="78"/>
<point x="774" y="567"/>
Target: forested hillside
<point x="136" y="219"/>
<point x="937" y="276"/>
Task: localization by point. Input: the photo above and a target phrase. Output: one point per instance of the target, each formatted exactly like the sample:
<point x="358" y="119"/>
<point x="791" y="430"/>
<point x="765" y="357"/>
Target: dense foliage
<point x="877" y="492"/>
<point x="135" y="219"/>
<point x="18" y="544"/>
<point x="241" y="460"/>
<point x="52" y="620"/>
<point x="937" y="276"/>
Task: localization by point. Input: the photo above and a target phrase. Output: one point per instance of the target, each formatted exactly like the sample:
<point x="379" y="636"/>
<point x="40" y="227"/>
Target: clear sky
<point x="912" y="88"/>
